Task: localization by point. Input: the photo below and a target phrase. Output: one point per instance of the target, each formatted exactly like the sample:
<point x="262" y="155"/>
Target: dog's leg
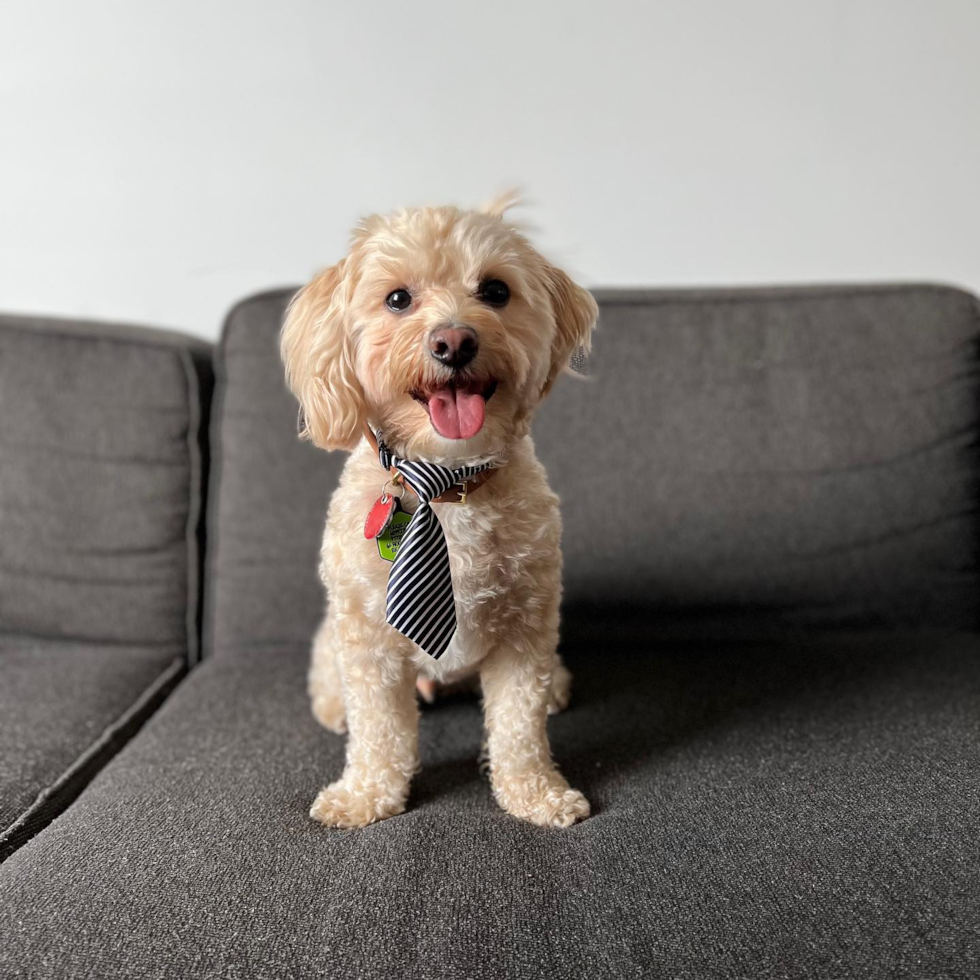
<point x="382" y="748"/>
<point x="326" y="690"/>
<point x="517" y="689"/>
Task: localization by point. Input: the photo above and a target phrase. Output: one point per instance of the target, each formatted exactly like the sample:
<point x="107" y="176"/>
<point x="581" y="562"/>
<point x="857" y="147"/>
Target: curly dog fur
<point x="352" y="361"/>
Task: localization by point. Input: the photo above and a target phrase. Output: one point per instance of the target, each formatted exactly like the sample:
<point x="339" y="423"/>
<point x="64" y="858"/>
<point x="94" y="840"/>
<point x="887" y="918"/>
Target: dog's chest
<point x="478" y="546"/>
<point x="496" y="559"/>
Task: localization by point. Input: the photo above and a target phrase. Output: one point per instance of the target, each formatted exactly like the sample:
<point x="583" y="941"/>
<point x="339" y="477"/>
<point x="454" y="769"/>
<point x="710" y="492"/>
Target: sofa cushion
<point x="102" y="466"/>
<point x="65" y="709"/>
<point x="269" y="492"/>
<point x="103" y="459"/>
<point x="749" y="461"/>
<point x="802" y="458"/>
<point x="795" y="808"/>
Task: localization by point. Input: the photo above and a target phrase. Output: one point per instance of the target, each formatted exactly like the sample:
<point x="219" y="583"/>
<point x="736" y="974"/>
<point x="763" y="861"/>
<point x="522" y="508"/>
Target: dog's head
<point x="442" y="328"/>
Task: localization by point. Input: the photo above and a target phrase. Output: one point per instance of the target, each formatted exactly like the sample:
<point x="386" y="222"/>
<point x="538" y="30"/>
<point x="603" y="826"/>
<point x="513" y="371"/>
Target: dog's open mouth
<point x="457" y="410"/>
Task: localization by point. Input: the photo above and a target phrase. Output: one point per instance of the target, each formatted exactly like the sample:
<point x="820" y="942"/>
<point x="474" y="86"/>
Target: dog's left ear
<point x="575" y="313"/>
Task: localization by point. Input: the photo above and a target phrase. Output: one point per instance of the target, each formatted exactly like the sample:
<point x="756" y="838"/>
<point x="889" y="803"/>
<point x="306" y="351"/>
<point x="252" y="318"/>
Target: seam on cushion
<point x="214" y="492"/>
<point x="193" y="508"/>
<point x="193" y="529"/>
<point x="976" y="438"/>
<point x="35" y="637"/>
<point x="661" y="296"/>
<point x="54" y="799"/>
<point x="160" y="338"/>
<point x="735" y="295"/>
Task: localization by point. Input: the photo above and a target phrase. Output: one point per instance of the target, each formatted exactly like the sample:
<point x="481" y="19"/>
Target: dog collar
<point x="456" y="494"/>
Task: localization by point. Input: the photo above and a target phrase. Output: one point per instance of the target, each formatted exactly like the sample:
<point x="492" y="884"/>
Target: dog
<point x="426" y="350"/>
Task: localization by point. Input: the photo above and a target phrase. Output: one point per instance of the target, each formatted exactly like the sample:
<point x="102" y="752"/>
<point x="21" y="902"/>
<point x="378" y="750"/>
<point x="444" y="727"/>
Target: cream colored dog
<point x="442" y="330"/>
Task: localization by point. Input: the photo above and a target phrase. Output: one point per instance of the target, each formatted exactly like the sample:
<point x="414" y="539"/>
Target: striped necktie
<point x="420" y="600"/>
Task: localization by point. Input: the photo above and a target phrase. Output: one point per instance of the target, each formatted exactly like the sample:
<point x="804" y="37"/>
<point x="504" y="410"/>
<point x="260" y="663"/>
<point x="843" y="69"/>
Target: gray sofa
<point x="772" y="614"/>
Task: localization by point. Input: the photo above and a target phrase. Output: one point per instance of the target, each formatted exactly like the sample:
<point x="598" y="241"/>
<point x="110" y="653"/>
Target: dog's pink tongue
<point x="457" y="414"/>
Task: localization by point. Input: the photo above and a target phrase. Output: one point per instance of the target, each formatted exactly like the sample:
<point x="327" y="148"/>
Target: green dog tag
<point x="390" y="541"/>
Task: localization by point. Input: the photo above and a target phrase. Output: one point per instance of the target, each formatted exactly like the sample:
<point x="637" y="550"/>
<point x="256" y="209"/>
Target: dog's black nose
<point x="454" y="346"/>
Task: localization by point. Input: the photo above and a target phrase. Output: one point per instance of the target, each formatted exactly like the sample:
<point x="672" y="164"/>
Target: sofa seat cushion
<point x="770" y="809"/>
<point x="64" y="710"/>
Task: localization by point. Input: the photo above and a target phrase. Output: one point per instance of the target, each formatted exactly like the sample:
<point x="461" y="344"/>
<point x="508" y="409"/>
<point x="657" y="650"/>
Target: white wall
<point x="158" y="161"/>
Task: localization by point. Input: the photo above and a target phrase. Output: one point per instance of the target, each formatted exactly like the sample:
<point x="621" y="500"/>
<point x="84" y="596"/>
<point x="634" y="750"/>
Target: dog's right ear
<point x="319" y="357"/>
<point x="575" y="314"/>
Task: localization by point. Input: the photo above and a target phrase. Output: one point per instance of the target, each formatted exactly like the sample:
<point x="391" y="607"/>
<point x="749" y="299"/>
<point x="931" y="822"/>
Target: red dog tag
<point x="380" y="515"/>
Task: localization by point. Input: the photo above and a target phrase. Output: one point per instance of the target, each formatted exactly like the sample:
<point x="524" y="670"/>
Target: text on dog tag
<point x="389" y="541"/>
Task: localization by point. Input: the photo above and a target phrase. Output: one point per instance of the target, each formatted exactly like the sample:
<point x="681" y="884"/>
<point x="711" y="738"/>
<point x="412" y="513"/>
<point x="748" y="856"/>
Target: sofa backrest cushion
<point x="103" y="447"/>
<point x="744" y="460"/>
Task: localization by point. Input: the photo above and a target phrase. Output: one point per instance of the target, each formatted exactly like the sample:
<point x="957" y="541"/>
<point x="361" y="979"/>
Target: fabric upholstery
<point x="103" y="462"/>
<point x="269" y="492"/>
<point x="65" y="709"/>
<point x="800" y="458"/>
<point x="767" y="810"/>
<point x="764" y="461"/>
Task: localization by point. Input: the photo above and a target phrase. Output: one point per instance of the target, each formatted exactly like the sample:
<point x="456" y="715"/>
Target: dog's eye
<point x="398" y="300"/>
<point x="494" y="292"/>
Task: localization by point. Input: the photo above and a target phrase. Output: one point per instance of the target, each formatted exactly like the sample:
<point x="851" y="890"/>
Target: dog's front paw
<point x="342" y="805"/>
<point x="546" y="800"/>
